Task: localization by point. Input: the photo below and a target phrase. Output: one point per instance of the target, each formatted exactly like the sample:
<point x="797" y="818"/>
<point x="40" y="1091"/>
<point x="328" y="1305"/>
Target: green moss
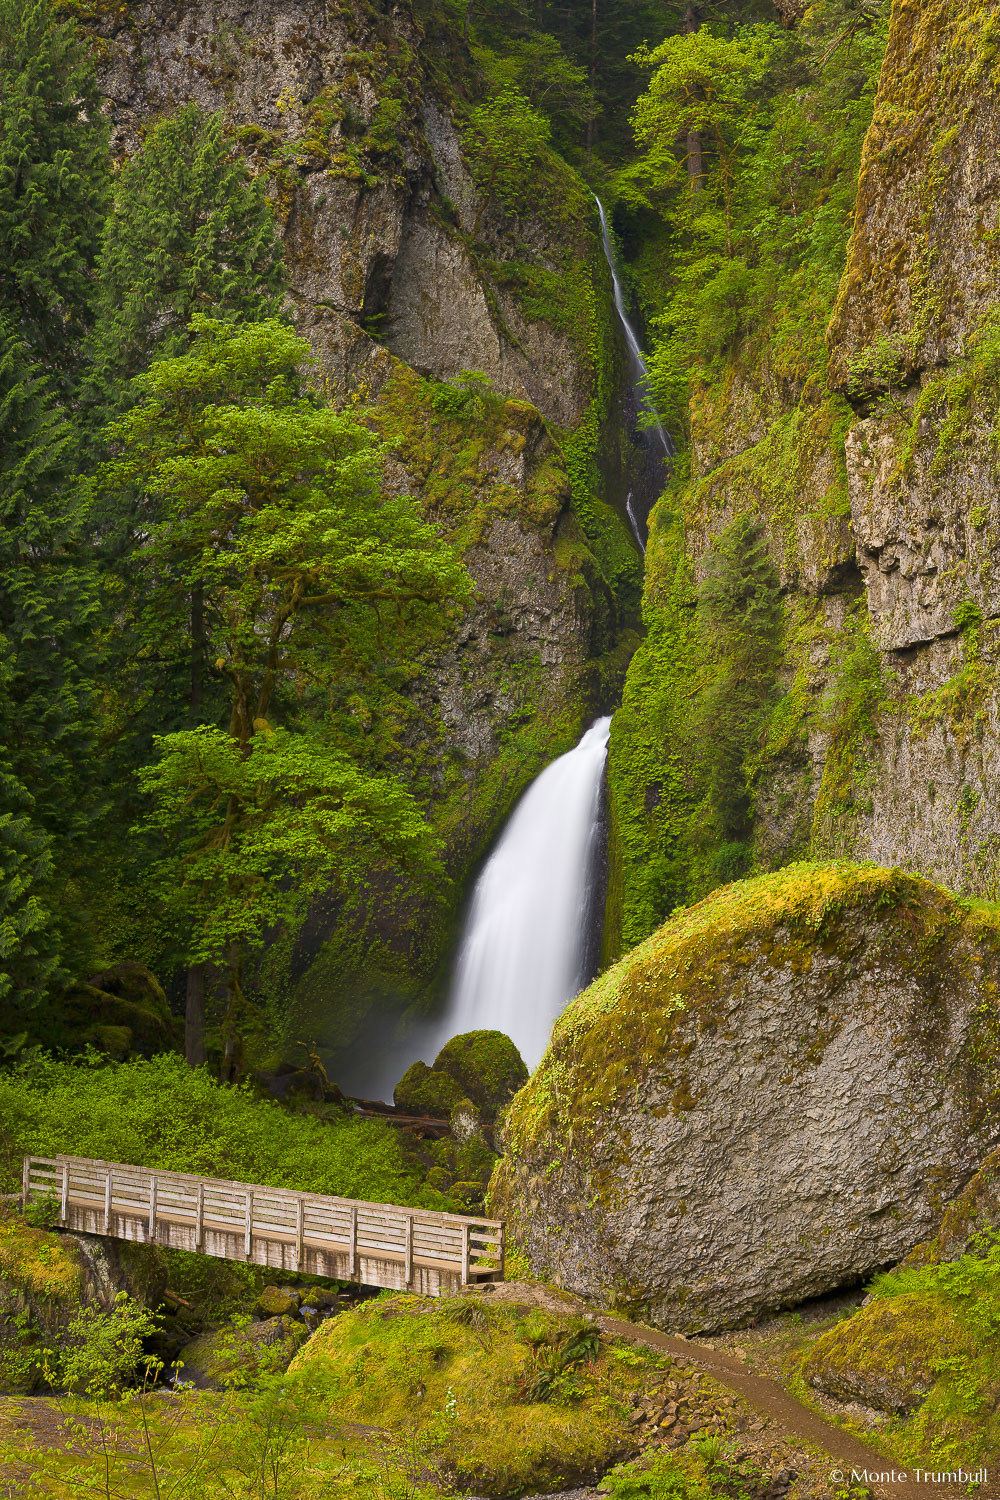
<point x="426" y="1091"/>
<point x="640" y="1014"/>
<point x="506" y="1406"/>
<point x="927" y="1348"/>
<point x="488" y="1067"/>
<point x="39" y="1265"/>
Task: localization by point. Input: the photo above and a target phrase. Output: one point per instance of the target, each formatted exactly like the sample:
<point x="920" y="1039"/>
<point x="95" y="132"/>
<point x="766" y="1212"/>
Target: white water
<point x="638" y="372"/>
<point x="524" y="946"/>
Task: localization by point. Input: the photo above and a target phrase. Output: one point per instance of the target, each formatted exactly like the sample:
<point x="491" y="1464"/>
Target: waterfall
<point x="652" y="429"/>
<point x="523" y="950"/>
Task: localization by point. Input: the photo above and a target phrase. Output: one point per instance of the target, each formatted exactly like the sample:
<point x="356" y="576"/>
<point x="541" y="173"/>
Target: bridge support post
<point x="107" y="1201"/>
<point x="25" y="1179"/>
<point x="354" y="1245"/>
<point x="64" y="1195"/>
<point x="299" y="1230"/>
<point x="248" y="1227"/>
<point x="409" y="1251"/>
<point x="151" y="1230"/>
<point x="465" y="1254"/>
<point x="199" y="1221"/>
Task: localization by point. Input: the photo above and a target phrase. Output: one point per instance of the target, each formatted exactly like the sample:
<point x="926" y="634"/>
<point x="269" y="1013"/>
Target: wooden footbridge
<point x="376" y="1244"/>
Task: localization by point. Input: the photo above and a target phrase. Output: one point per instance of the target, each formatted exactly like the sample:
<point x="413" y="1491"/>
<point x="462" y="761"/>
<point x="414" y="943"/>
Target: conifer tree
<point x="54" y="175"/>
<point x="189" y="232"/>
<point x="28" y="943"/>
<point x="46" y="609"/>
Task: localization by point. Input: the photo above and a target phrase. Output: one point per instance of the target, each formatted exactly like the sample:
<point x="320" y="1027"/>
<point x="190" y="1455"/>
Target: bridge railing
<point x="378" y="1244"/>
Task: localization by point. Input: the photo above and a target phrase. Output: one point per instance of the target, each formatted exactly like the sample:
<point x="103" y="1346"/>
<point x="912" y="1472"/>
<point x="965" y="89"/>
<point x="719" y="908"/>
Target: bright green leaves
<point x="253" y="835"/>
<point x="269" y="503"/>
<point x="507" y="143"/>
<point x="702" y="82"/>
<point x="264" y="536"/>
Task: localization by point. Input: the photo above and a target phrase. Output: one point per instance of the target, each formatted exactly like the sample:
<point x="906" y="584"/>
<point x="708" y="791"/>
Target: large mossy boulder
<point x="773" y="1096"/>
<point x="482" y="1066"/>
<point x="122" y="1011"/>
<point x="487" y="1065"/>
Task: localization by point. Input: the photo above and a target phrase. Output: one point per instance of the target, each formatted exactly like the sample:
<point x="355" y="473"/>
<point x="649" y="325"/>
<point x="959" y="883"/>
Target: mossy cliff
<point x="407" y="271"/>
<point x="774" y="1095"/>
<point x="851" y="417"/>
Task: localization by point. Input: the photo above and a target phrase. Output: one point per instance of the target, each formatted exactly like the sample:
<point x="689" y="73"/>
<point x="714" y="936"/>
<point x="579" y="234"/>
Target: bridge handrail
<point x="116" y="1191"/>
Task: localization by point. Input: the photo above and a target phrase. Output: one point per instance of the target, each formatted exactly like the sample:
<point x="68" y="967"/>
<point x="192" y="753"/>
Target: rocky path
<point x="847" y="1452"/>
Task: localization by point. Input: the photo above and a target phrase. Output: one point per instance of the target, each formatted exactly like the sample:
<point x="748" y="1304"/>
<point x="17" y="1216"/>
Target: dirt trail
<point x="847" y="1452"/>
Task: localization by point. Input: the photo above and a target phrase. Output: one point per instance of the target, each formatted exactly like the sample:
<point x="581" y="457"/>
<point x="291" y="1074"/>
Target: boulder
<point x="770" y="1098"/>
<point x="278" y="1301"/>
<point x="887" y="1355"/>
<point x="425" y="1091"/>
<point x="122" y="1011"/>
<point x="487" y="1065"/>
<point x="466" y="1122"/>
<point x="238" y="1355"/>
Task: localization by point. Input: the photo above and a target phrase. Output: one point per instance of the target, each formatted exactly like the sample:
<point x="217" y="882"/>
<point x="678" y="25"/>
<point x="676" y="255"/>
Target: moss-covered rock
<point x="887" y="1354"/>
<point x="239" y="1354"/>
<point x="971" y="1223"/>
<point x="526" y="1401"/>
<point x="425" y="1091"/>
<point x="775" y="1094"/>
<point x="466" y="1121"/>
<point x="122" y="1011"/>
<point x="487" y="1065"/>
<point x="925" y="1347"/>
<point x="278" y="1301"/>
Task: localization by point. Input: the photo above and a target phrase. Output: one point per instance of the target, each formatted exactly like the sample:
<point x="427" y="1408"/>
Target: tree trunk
<point x="194" y="1017"/>
<point x="197" y="649"/>
<point x="693" y="143"/>
<point x="790" y="11"/>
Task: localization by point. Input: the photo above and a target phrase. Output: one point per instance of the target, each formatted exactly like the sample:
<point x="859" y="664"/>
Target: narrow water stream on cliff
<point x="650" y="433"/>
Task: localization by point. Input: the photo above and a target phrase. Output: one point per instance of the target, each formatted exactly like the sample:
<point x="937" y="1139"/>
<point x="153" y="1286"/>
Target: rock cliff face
<point x="773" y="1096"/>
<point x="874" y="477"/>
<point x="404" y="276"/>
<point x="337" y="106"/>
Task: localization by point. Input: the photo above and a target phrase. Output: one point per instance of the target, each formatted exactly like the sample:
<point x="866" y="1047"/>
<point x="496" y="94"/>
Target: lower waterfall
<point x="524" y="948"/>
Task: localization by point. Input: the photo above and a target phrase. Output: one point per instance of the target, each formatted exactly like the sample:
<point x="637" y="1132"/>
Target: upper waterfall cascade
<point x="637" y="372"/>
<point x="523" y="951"/>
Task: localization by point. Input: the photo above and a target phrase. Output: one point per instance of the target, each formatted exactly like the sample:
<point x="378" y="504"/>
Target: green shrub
<point x="160" y="1113"/>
